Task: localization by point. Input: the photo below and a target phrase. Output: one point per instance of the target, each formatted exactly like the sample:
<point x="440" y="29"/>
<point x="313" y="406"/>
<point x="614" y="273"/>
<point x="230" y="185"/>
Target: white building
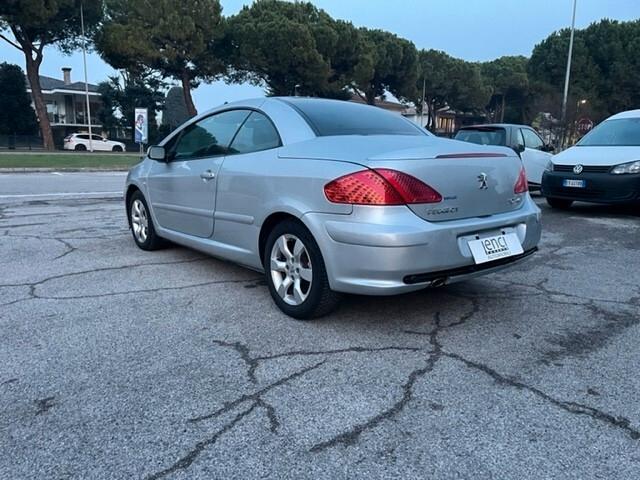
<point x="67" y="105"/>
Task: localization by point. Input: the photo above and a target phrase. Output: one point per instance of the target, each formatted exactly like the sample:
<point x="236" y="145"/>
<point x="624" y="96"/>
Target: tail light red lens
<point x="381" y="186"/>
<point x="521" y="184"/>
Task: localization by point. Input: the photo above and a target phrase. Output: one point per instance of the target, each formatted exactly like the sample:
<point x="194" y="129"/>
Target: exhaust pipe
<point x="438" y="282"/>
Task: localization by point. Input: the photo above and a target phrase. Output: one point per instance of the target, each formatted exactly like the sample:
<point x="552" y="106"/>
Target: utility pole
<point x="568" y="72"/>
<point x="424" y="85"/>
<point x="86" y="83"/>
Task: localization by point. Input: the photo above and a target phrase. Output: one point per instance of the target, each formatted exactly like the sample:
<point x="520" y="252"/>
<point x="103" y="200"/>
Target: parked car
<point x="603" y="167"/>
<point x="327" y="197"/>
<point x="80" y="142"/>
<point x="523" y="139"/>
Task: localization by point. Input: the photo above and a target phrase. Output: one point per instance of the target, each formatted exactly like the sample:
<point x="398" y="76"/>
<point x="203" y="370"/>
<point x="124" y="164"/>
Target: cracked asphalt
<point x="119" y="363"/>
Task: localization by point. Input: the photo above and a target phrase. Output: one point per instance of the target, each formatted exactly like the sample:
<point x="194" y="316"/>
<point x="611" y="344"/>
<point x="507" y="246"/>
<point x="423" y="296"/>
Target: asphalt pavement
<point x="119" y="363"/>
<point x="20" y="187"/>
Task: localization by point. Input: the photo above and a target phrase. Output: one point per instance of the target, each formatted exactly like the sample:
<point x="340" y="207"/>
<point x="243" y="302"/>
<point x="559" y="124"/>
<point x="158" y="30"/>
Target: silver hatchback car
<point x="328" y="197"/>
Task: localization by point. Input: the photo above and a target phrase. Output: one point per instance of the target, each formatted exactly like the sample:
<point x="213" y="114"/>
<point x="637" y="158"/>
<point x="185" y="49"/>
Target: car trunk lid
<point x="474" y="180"/>
<point x="472" y="185"/>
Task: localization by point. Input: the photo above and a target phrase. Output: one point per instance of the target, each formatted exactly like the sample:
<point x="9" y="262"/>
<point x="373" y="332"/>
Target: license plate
<point x="574" y="183"/>
<point x="493" y="248"/>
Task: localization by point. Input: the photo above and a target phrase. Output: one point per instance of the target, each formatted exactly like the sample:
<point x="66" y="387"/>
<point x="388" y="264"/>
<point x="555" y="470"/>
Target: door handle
<point x="208" y="175"/>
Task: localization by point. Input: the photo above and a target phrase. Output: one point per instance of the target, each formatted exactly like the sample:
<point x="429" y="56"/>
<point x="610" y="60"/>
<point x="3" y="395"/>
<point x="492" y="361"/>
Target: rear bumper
<point x="390" y="250"/>
<point x="600" y="187"/>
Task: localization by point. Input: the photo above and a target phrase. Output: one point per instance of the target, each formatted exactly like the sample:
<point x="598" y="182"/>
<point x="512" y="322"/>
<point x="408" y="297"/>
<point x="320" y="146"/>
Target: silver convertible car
<point x="328" y="197"/>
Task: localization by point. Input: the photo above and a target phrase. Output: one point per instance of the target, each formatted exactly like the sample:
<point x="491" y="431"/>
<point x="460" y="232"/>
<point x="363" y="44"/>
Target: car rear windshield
<point x="335" y="117"/>
<point x="621" y="132"/>
<point x="483" y="135"/>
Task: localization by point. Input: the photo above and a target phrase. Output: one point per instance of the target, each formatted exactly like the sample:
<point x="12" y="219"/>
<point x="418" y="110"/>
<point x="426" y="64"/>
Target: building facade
<point x="67" y="105"/>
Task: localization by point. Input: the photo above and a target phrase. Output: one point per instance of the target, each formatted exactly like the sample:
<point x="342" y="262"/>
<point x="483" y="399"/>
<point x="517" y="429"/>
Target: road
<point x="20" y="187"/>
<point x="118" y="363"/>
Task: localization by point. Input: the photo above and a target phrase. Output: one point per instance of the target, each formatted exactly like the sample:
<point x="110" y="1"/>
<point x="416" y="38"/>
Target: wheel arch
<point x="269" y="224"/>
<point x="131" y="189"/>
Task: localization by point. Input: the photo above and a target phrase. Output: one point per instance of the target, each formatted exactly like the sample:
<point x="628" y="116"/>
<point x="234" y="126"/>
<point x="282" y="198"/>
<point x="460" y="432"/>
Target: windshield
<point x="335" y="117"/>
<point x="482" y="136"/>
<point x="621" y="132"/>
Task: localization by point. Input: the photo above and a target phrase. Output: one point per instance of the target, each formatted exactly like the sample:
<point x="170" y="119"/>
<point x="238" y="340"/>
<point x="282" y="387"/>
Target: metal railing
<point x="20" y="142"/>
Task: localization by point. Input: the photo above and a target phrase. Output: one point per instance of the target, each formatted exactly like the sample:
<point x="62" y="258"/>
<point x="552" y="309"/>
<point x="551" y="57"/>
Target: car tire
<point x="559" y="203"/>
<point x="291" y="258"/>
<point x="141" y="223"/>
<point x="116" y="148"/>
<point x="80" y="148"/>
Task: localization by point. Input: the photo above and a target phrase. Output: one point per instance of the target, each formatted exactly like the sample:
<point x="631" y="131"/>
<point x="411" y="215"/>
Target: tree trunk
<point x="502" y="107"/>
<point x="371" y="97"/>
<point x="188" y="100"/>
<point x="33" y="75"/>
<point x="432" y="117"/>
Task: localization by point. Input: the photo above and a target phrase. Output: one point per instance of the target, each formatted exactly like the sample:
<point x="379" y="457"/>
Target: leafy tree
<point x="35" y="24"/>
<point x="394" y="67"/>
<point x="273" y="43"/>
<point x="122" y="95"/>
<point x="295" y="48"/>
<point x="175" y="111"/>
<point x="350" y="59"/>
<point x="448" y="82"/>
<point x="181" y="39"/>
<point x="605" y="68"/>
<point x="16" y="114"/>
<point x="509" y="82"/>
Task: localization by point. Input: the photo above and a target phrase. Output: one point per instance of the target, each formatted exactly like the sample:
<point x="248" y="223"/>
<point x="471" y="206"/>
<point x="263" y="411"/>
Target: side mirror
<point x="519" y="148"/>
<point x="158" y="153"/>
<point x="547" y="147"/>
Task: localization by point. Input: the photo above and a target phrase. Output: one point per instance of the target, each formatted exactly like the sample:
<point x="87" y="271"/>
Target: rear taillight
<point x="381" y="186"/>
<point x="521" y="184"/>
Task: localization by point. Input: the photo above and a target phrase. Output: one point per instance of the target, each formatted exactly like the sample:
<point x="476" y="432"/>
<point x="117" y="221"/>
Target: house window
<point x="52" y="112"/>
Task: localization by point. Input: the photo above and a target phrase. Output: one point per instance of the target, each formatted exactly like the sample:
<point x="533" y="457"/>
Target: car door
<point x="182" y="190"/>
<point x="533" y="158"/>
<point x="242" y="183"/>
<point x="82" y="139"/>
<point x="99" y="143"/>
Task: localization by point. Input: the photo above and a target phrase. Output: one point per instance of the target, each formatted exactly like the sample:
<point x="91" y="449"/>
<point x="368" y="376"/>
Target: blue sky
<point x="469" y="29"/>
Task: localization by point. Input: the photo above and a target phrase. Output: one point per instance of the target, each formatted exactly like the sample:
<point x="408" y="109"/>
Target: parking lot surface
<point x="119" y="363"/>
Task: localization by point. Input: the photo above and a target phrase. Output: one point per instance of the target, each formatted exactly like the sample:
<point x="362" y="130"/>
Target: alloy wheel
<point x="139" y="221"/>
<point x="291" y="270"/>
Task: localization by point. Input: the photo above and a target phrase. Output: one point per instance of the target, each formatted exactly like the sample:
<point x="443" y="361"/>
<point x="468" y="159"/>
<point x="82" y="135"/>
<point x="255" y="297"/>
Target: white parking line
<point x="69" y="194"/>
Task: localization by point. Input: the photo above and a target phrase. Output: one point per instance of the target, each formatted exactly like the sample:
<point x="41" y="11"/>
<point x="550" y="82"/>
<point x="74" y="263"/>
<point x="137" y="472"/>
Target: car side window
<point x="531" y="139"/>
<point x="83" y="137"/>
<point x="208" y="137"/>
<point x="256" y="134"/>
<point x="96" y="137"/>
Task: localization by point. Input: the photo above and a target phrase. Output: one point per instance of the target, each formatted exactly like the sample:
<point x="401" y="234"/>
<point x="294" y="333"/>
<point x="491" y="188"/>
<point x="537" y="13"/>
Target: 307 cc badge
<point x="493" y="248"/>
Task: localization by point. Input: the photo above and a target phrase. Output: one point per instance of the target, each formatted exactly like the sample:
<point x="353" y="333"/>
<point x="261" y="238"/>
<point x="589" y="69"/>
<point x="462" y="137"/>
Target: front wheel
<point x="117" y="148"/>
<point x="559" y="203"/>
<point x="296" y="274"/>
<point x="144" y="233"/>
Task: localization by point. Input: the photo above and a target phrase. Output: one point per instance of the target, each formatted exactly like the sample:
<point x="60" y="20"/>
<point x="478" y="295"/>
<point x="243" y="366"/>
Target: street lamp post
<point x="86" y="82"/>
<point x="424" y="87"/>
<point x="568" y="72"/>
<point x="575" y="122"/>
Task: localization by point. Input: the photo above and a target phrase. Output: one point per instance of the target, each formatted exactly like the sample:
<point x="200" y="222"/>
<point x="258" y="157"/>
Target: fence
<point x="20" y="142"/>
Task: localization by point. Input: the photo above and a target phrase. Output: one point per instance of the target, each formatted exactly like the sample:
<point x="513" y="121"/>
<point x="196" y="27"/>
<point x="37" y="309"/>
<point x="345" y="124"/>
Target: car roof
<point x="627" y="114"/>
<point x="495" y="125"/>
<point x="260" y="101"/>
